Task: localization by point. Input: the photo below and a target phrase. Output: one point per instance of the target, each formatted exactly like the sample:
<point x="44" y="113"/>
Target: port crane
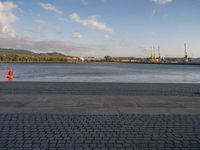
<point x="186" y="60"/>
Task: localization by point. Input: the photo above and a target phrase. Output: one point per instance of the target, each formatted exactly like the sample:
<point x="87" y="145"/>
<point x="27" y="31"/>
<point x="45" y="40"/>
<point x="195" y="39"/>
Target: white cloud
<point x="40" y="22"/>
<point x="90" y="22"/>
<point x="46" y="24"/>
<point x="78" y="35"/>
<point x="66" y="47"/>
<point x="7" y="17"/>
<point x="84" y="2"/>
<point x="162" y="2"/>
<point x="44" y="27"/>
<point x="106" y="36"/>
<point x="51" y="8"/>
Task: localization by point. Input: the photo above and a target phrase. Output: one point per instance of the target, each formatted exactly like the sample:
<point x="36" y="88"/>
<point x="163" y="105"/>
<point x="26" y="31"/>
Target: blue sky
<point x="101" y="27"/>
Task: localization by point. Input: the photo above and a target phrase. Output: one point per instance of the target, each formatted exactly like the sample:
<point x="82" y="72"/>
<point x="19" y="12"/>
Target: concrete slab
<point x="83" y="104"/>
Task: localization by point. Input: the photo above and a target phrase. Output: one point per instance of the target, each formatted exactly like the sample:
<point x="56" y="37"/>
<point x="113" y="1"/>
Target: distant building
<point x="81" y="59"/>
<point x="195" y="60"/>
<point x="94" y="59"/>
<point x="165" y="61"/>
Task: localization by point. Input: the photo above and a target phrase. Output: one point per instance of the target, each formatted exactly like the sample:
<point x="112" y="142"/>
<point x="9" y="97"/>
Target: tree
<point x="108" y="58"/>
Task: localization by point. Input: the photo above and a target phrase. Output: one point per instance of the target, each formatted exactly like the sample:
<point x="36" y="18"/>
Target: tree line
<point x="17" y="58"/>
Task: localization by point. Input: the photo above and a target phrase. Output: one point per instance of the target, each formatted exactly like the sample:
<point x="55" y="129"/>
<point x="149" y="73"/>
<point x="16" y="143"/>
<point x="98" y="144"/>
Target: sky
<point x="102" y="27"/>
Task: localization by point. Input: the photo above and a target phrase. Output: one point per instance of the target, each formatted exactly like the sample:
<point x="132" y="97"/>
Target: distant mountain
<point x="29" y="53"/>
<point x="54" y="54"/>
<point x="15" y="52"/>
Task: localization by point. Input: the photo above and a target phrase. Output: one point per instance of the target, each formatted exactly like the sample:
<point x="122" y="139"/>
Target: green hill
<point x="15" y="55"/>
<point x="15" y="52"/>
<point x="29" y="53"/>
<point x="54" y="54"/>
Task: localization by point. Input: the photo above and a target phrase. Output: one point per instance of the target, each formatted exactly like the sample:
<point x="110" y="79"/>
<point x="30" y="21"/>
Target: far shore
<point x="57" y="62"/>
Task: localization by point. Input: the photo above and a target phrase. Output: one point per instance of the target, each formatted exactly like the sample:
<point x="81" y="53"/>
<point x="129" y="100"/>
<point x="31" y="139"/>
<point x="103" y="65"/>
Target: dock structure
<point x="155" y="59"/>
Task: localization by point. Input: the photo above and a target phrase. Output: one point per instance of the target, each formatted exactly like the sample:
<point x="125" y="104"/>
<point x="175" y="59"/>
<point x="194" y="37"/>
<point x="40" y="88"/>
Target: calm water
<point x="94" y="72"/>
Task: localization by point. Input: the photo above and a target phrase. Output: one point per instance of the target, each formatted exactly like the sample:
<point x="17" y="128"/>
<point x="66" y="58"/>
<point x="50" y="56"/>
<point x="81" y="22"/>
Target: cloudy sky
<point x="101" y="27"/>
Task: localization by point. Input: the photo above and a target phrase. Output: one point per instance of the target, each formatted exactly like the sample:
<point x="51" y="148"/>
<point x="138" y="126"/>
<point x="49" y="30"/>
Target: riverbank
<point x="99" y="98"/>
<point x="98" y="62"/>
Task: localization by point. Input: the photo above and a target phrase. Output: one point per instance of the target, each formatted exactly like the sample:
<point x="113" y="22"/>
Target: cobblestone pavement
<point x="148" y="132"/>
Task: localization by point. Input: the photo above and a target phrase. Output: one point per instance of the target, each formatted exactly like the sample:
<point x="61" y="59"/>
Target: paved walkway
<point x="132" y="89"/>
<point x="148" y="132"/>
<point x="103" y="116"/>
<point x="98" y="104"/>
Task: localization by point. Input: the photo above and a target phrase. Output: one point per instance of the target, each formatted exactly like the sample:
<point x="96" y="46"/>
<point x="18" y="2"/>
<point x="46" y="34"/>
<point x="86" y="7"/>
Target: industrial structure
<point x="155" y="59"/>
<point x="186" y="59"/>
<point x="158" y="59"/>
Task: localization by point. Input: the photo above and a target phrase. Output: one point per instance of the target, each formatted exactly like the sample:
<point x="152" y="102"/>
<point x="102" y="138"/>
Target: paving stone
<point x="81" y="132"/>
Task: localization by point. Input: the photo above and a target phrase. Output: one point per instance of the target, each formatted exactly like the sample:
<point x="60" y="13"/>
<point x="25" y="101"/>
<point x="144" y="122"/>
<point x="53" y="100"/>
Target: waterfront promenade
<point x="36" y="115"/>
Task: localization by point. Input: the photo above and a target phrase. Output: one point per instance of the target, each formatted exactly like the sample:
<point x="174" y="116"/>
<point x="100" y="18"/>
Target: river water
<point x="102" y="72"/>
